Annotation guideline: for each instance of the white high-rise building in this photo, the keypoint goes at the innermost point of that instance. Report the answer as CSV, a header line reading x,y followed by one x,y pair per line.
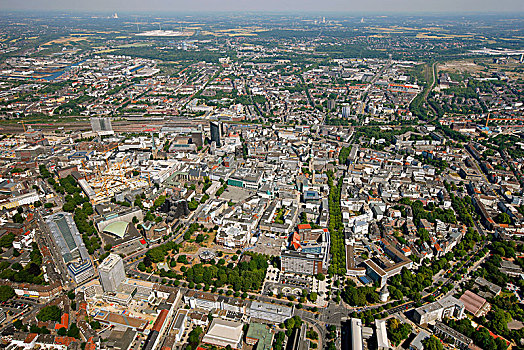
x,y
111,272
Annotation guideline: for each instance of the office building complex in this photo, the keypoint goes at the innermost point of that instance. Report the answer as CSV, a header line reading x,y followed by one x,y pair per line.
x,y
69,242
446,307
111,272
270,312
308,251
102,126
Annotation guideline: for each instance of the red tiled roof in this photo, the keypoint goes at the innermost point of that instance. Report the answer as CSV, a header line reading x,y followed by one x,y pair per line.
x,y
64,340
90,344
64,323
472,301
160,321
30,337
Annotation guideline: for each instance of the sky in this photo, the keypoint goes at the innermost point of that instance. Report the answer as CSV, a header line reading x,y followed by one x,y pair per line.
x,y
350,6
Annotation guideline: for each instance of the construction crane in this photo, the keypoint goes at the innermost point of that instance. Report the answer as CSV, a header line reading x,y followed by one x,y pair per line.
x,y
110,149
84,169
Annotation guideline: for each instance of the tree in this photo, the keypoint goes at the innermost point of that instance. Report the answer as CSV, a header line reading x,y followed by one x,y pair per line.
x,y
502,218
20,325
68,207
194,335
499,320
182,259
432,343
311,334
95,324
39,330
6,293
73,331
192,205
6,241
343,155
49,313
397,331
62,332
18,218
156,254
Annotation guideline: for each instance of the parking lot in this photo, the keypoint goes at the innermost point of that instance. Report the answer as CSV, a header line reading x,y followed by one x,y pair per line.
x,y
15,306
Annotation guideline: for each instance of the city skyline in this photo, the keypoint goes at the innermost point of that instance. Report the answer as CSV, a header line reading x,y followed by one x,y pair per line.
x,y
293,6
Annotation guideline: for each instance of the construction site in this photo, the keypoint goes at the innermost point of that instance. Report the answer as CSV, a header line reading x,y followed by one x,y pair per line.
x,y
117,177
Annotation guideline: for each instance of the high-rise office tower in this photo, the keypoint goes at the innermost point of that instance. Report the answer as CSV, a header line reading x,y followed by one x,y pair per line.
x,y
216,132
111,272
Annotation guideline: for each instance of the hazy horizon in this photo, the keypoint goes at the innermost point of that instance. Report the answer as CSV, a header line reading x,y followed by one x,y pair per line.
x,y
271,6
